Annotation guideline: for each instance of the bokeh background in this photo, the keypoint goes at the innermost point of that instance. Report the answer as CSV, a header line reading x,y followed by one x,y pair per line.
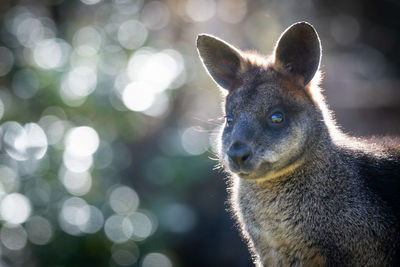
x,y
106,115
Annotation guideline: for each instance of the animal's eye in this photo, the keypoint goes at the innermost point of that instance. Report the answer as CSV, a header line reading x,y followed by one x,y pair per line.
x,y
277,117
229,120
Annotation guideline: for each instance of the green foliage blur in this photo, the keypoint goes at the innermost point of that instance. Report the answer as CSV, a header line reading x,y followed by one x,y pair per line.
x,y
96,156
108,121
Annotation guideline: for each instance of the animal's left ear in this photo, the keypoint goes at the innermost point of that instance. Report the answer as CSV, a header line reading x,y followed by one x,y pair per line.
x,y
298,51
223,62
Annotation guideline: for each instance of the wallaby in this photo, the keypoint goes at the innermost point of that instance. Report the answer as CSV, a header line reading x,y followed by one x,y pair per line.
x,y
303,193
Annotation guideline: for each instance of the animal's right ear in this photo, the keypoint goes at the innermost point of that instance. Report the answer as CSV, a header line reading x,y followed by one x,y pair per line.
x,y
298,51
223,62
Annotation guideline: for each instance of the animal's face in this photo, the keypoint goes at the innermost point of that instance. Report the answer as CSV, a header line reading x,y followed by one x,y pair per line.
x,y
265,129
269,116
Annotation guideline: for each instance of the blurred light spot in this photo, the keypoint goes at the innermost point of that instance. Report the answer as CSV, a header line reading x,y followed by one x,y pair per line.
x,y
87,41
138,96
81,141
51,53
69,98
6,60
8,179
15,208
80,82
125,255
75,211
144,64
156,260
141,225
27,27
132,34
128,7
194,141
55,111
95,221
159,106
155,15
200,10
120,82
344,29
36,146
144,94
25,84
89,61
77,163
14,140
90,2
29,31
137,61
118,228
74,215
231,11
40,231
13,237
180,76
179,218
26,142
53,127
77,184
124,200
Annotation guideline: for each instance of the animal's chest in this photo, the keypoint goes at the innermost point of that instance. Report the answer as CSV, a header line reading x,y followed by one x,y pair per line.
x,y
307,229
278,232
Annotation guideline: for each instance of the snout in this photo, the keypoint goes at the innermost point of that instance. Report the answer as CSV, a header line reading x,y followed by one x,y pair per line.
x,y
239,155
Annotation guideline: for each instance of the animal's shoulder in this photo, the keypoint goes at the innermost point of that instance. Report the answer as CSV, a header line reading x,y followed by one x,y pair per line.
x,y
380,171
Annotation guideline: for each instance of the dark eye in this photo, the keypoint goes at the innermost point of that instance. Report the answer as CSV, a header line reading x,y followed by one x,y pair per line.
x,y
277,117
229,120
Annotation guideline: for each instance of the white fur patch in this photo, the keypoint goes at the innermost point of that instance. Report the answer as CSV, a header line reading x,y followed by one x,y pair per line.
x,y
271,156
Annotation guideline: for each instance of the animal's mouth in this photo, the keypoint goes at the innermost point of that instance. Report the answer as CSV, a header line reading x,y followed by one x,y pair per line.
x,y
240,170
250,170
250,175
263,171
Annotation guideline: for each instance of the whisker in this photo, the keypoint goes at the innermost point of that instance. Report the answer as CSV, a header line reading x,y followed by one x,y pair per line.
x,y
213,158
216,122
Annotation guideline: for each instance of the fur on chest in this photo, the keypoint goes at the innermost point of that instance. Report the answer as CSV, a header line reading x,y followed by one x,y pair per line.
x,y
300,231
275,231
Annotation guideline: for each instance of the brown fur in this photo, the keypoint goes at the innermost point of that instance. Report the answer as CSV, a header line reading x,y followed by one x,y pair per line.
x,y
303,193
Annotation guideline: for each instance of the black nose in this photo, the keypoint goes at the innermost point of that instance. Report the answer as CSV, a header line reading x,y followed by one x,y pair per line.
x,y
239,154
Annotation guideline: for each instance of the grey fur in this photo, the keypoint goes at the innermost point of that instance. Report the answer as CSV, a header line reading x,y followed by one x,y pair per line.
x,y
304,198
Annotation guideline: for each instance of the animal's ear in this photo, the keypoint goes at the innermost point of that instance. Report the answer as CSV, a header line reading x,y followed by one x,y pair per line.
x,y
298,51
223,61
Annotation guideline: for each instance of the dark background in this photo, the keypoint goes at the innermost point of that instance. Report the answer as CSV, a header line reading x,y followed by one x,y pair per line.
x,y
146,193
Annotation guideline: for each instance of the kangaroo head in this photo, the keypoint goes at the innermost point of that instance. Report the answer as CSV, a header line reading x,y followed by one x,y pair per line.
x,y
271,115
